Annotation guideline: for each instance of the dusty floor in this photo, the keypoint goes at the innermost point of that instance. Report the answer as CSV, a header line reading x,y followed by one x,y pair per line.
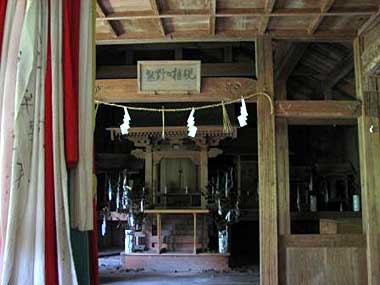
x,y
111,273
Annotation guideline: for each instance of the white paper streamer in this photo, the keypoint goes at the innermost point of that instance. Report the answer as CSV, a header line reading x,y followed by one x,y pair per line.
x,y
125,126
243,114
191,128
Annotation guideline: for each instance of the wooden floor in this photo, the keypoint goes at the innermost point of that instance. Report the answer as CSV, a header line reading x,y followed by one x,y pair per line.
x,y
111,272
183,278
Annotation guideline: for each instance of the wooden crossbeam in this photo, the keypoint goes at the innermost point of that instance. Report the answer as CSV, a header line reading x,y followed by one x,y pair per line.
x,y
325,109
207,70
237,12
116,25
213,90
212,19
268,9
326,6
290,60
156,12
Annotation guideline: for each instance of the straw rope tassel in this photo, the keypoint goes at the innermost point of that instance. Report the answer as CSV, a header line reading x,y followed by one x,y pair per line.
x,y
227,127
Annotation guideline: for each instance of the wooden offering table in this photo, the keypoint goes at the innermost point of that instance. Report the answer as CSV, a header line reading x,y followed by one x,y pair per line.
x,y
194,212
176,258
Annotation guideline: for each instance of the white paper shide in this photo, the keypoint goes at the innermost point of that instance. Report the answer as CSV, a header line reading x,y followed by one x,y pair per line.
x,y
243,114
191,128
125,126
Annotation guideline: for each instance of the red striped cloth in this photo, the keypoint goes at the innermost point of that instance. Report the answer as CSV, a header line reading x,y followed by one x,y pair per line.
x,y
3,8
71,25
51,268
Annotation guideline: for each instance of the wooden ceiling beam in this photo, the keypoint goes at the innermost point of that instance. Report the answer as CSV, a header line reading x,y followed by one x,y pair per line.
x,y
313,109
212,19
231,13
213,90
290,60
115,25
207,70
156,11
326,6
268,9
200,36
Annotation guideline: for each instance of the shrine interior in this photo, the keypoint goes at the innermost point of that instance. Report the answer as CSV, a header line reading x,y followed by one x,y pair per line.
x,y
324,172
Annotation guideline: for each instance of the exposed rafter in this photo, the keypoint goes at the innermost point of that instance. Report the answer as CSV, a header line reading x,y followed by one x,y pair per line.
x,y
371,22
340,71
230,20
326,6
115,25
212,19
289,61
156,12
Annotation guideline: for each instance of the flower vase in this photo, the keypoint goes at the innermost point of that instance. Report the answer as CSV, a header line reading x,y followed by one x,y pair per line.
x,y
223,241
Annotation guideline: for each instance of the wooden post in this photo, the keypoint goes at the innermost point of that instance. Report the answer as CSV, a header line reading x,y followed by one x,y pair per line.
x,y
203,174
195,233
267,164
282,159
149,173
158,233
238,174
369,152
283,195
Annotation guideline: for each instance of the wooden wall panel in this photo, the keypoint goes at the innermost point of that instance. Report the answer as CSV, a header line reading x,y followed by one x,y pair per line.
x,y
324,259
326,266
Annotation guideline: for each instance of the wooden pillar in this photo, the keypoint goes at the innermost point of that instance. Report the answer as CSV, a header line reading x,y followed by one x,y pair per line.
x,y
238,174
282,159
149,172
267,164
158,233
203,174
369,152
283,186
156,181
195,233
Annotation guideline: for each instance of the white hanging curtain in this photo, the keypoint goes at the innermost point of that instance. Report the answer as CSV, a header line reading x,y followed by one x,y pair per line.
x,y
23,249
12,31
24,240
66,268
81,178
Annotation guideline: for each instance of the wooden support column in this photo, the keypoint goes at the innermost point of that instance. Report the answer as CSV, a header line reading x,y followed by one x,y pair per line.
x,y
203,174
267,164
149,172
369,152
158,233
282,159
195,233
283,186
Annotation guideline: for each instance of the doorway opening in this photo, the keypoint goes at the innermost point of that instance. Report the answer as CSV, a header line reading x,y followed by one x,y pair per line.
x,y
178,207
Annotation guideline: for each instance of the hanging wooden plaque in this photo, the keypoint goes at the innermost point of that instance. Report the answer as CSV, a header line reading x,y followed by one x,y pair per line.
x,y
169,76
